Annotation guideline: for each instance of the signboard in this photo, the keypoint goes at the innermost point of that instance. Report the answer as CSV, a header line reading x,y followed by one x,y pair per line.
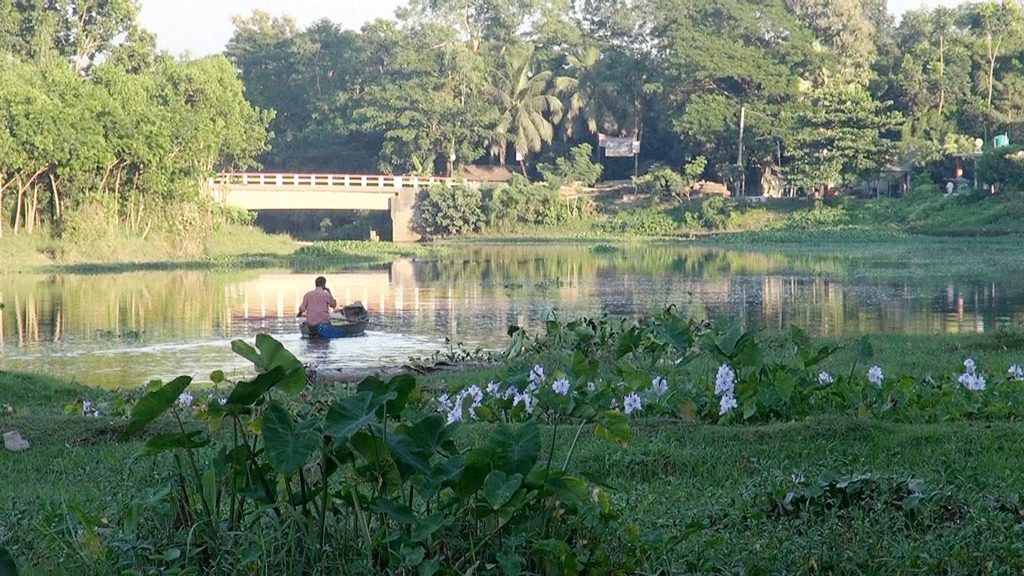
x,y
1002,140
615,147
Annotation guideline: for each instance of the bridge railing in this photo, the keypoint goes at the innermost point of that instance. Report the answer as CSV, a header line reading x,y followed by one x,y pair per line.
x,y
368,181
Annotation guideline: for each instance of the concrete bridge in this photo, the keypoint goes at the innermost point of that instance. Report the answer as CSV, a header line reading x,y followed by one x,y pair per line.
x,y
266,191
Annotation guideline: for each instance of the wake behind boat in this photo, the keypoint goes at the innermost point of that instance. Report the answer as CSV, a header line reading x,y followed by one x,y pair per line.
x,y
350,320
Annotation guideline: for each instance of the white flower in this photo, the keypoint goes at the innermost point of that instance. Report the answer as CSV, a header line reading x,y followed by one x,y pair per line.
x,y
659,385
727,404
510,392
973,382
476,394
223,401
560,386
536,375
1016,373
454,416
969,366
444,403
526,400
185,399
825,378
725,381
89,409
492,388
875,375
631,402
591,386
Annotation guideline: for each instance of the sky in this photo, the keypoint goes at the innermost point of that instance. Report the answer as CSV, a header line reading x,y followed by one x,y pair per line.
x,y
203,27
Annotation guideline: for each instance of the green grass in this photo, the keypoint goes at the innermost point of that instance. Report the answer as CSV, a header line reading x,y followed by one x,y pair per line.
x,y
718,489
714,492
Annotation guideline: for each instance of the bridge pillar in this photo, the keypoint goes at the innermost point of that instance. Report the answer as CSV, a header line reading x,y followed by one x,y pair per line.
x,y
401,208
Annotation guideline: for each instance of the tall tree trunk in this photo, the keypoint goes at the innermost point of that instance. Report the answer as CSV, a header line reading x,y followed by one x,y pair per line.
x,y
32,210
56,198
17,207
992,52
2,223
942,72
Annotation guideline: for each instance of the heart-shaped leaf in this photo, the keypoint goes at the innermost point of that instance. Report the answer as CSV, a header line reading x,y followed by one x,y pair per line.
x,y
272,354
499,488
289,445
153,404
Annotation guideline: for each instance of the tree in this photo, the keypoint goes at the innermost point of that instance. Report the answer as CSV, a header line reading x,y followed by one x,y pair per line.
x,y
527,103
843,134
431,104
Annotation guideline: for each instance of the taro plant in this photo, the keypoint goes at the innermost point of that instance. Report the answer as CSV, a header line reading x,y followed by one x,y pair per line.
x,y
369,483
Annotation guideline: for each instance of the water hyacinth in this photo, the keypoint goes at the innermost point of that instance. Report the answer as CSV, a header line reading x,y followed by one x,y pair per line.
x,y
725,386
875,375
185,399
1016,373
591,387
725,381
726,405
89,409
536,375
973,382
561,386
526,399
970,379
492,388
825,378
631,403
659,386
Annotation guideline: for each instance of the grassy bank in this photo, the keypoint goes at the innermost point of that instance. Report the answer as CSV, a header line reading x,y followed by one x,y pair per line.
x,y
230,247
834,495
826,493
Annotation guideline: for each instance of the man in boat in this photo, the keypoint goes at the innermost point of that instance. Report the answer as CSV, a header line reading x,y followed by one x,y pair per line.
x,y
317,305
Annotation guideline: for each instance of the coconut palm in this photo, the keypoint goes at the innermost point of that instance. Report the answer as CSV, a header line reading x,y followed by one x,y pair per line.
x,y
592,101
528,104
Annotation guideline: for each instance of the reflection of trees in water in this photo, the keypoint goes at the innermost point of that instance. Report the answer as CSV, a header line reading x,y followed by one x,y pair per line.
x,y
180,303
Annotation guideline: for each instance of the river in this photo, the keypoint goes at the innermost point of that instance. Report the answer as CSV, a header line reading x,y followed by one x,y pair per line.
x,y
122,330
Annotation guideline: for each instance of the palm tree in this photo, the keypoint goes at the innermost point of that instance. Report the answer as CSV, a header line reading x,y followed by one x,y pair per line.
x,y
528,105
592,101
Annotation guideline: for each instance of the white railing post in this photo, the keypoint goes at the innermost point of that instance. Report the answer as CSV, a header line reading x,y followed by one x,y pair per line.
x,y
330,179
280,179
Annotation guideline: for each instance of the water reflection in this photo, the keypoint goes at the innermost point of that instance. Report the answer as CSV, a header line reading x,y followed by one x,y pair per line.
x,y
123,329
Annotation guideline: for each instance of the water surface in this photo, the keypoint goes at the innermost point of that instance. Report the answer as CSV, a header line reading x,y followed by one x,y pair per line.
x,y
121,330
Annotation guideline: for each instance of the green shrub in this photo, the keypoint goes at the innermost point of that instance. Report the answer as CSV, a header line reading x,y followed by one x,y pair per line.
x,y
1003,166
817,218
577,168
520,202
445,210
643,222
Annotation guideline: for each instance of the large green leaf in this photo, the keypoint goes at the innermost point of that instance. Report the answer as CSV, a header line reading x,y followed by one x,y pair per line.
x,y
247,392
152,405
272,354
499,488
377,458
402,386
518,449
165,442
613,425
410,457
7,565
289,445
346,416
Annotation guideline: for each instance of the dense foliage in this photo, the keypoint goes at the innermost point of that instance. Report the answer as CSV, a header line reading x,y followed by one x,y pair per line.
x,y
99,132
828,92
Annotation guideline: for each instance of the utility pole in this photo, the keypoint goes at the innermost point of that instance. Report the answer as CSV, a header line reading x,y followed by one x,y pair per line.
x,y
739,156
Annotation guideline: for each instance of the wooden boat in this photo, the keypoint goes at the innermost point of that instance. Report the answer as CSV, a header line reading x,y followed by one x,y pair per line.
x,y
350,320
